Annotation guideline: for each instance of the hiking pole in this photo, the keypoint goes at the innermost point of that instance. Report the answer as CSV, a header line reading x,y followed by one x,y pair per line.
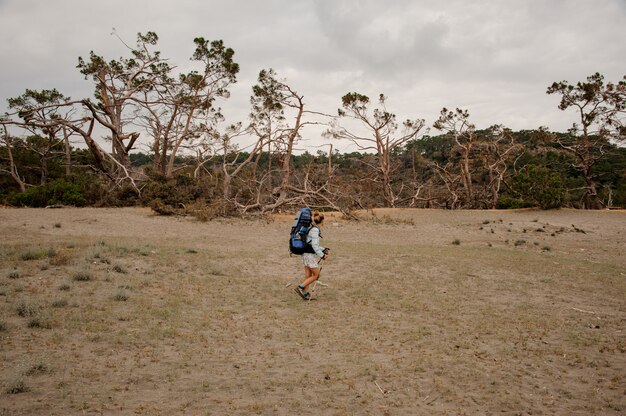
x,y
319,263
313,289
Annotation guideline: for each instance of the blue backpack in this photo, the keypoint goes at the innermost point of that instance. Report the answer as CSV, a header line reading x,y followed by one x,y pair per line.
x,y
299,230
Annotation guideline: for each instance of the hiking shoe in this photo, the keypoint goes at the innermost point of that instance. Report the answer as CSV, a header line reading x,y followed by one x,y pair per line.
x,y
304,295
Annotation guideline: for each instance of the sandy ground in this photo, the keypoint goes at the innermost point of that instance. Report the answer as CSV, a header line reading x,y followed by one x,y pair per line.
x,y
118,311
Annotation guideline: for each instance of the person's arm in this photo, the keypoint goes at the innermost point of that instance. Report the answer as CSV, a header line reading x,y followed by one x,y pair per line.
x,y
315,241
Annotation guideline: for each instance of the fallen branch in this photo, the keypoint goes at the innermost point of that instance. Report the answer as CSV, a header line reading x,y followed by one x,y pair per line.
x,y
379,388
583,311
431,401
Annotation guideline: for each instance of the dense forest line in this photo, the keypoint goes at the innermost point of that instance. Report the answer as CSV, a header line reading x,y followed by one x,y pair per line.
x,y
426,173
193,163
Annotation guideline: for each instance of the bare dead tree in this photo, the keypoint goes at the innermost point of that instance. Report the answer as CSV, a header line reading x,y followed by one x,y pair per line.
x,y
11,169
273,101
382,137
457,124
451,181
117,84
496,151
233,159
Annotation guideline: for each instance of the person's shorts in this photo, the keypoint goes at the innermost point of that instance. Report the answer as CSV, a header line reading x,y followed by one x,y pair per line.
x,y
310,260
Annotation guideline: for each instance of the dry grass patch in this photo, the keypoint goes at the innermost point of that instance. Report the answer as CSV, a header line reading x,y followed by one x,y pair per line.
x,y
405,323
27,309
14,274
82,276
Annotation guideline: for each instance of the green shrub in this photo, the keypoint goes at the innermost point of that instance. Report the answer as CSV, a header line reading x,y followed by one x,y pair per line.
x,y
175,192
541,187
56,192
508,202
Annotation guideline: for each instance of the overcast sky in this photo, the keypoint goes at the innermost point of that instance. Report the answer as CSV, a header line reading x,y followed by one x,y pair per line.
x,y
494,58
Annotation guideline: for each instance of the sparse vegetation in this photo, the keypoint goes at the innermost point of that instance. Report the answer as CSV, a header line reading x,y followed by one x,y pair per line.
x,y
14,274
39,322
37,368
62,258
413,291
26,309
32,255
17,387
119,269
59,303
81,276
120,296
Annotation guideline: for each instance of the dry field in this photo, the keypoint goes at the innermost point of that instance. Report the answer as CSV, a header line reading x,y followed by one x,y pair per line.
x,y
421,312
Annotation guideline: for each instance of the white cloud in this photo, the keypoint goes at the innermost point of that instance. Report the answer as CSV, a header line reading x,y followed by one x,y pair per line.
x,y
495,58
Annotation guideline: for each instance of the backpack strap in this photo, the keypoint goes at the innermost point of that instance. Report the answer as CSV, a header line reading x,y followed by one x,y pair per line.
x,y
318,229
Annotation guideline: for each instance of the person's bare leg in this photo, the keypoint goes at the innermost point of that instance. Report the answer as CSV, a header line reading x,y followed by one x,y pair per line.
x,y
307,275
314,275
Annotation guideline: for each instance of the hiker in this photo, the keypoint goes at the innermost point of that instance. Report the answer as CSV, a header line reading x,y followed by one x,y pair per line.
x,y
311,260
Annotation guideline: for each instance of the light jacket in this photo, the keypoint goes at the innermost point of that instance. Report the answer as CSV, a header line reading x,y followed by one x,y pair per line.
x,y
313,238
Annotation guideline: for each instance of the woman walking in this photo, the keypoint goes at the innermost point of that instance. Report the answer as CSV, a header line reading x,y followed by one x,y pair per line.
x,y
312,257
